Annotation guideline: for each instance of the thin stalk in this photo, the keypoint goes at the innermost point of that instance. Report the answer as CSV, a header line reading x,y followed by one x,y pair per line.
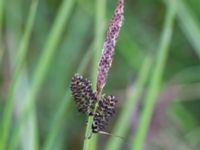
x,y
90,144
14,141
58,120
1,14
155,81
45,59
189,24
1,29
23,48
123,123
100,24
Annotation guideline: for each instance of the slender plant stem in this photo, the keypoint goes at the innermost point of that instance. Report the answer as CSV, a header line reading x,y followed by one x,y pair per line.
x,y
45,60
55,129
130,105
1,13
100,24
189,24
90,144
16,135
23,48
150,100
1,29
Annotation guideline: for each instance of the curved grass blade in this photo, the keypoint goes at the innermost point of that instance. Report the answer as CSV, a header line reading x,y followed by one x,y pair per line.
x,y
99,37
1,29
58,120
189,24
128,109
45,60
23,48
155,81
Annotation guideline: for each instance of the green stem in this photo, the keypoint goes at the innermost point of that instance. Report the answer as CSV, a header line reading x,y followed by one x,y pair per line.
x,y
1,29
63,105
99,36
90,144
23,48
1,14
189,25
154,86
129,107
45,59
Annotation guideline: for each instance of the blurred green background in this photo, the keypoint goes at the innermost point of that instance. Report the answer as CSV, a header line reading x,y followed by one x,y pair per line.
x,y
43,43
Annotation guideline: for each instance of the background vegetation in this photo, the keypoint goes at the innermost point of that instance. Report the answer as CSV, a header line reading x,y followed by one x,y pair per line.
x,y
155,73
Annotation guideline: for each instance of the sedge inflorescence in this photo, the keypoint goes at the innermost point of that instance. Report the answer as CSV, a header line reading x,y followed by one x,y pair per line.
x,y
86,100
105,62
95,104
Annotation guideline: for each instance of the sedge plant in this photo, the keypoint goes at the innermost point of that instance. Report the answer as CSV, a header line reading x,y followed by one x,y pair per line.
x,y
99,107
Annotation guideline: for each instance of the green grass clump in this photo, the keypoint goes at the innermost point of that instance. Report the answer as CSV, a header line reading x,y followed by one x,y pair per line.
x,y
155,81
43,43
22,51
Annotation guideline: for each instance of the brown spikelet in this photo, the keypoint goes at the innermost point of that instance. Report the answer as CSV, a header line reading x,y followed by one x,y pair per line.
x,y
83,95
86,100
105,111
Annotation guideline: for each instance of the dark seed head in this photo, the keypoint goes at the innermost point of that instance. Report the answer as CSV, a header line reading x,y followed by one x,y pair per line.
x,y
83,95
105,111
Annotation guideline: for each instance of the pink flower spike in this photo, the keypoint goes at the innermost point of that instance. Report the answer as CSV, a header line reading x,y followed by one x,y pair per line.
x,y
109,46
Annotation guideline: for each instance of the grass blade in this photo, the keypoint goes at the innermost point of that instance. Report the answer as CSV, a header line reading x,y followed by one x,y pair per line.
x,y
58,120
99,38
23,48
1,14
128,109
45,60
1,29
150,100
189,24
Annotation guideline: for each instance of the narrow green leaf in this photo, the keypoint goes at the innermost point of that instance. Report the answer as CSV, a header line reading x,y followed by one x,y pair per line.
x,y
189,24
23,48
1,24
57,123
123,123
45,61
144,121
90,144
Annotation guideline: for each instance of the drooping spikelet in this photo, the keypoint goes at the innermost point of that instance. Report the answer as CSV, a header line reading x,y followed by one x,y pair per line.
x,y
105,111
109,46
83,95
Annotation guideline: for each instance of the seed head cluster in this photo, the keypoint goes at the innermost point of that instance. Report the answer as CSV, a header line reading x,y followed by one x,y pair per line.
x,y
109,46
105,111
101,107
86,100
84,97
